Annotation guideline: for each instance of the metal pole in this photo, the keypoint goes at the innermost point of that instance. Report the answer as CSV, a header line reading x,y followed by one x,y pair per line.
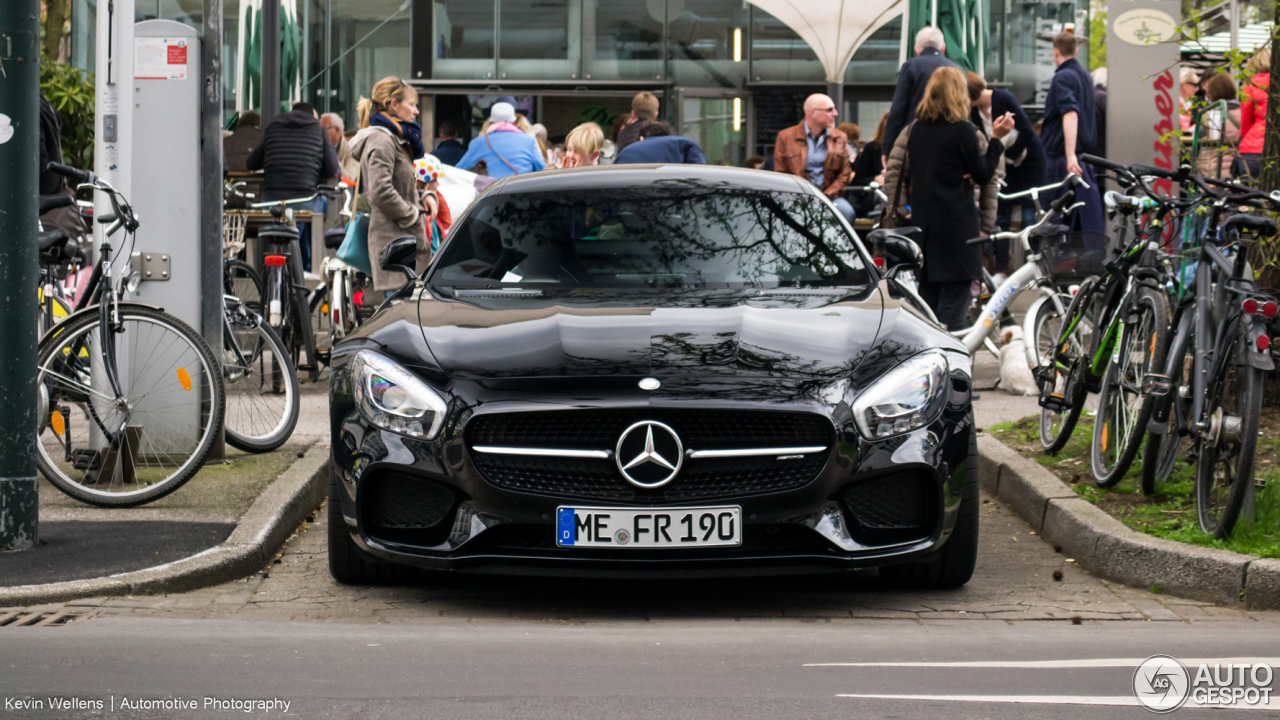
x,y
270,61
836,91
211,165
19,271
1233,8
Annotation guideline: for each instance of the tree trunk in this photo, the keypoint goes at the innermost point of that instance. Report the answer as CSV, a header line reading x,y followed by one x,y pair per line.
x,y
1270,175
55,18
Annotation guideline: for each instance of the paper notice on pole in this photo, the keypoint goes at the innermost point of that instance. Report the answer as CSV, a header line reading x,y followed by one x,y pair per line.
x,y
160,58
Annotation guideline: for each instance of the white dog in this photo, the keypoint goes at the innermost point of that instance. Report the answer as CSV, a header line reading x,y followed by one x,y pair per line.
x,y
1015,374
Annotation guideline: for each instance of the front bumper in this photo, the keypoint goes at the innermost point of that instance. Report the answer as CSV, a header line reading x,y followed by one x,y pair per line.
x,y
807,529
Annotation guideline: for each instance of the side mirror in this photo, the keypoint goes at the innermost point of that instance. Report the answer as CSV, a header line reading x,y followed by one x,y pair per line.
x,y
900,251
400,254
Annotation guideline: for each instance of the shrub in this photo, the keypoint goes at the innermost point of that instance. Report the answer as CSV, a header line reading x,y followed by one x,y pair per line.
x,y
71,92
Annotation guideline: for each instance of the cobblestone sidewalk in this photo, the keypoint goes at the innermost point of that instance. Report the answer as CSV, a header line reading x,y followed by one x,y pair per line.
x,y
1014,581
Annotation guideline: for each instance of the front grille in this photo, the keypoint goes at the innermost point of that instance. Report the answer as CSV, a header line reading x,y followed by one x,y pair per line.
x,y
892,508
700,479
405,509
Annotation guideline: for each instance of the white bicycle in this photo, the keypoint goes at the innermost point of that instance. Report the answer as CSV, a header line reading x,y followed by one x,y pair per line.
x,y
1042,324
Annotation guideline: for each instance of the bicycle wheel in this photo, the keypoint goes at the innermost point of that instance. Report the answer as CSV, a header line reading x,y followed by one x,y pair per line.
x,y
1224,466
1123,412
262,401
123,450
1063,358
241,281
1161,452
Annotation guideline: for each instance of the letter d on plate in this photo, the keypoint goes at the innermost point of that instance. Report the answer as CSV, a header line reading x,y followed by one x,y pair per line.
x,y
564,526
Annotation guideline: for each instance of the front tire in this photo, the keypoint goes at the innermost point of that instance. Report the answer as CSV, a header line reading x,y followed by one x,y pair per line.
x,y
954,565
1067,362
1123,412
348,564
1224,469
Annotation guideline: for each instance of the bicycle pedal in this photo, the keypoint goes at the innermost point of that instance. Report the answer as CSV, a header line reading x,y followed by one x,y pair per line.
x,y
1155,385
86,459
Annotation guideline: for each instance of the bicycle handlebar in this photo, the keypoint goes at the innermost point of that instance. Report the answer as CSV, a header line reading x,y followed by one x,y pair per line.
x,y
1103,163
1180,176
289,201
79,176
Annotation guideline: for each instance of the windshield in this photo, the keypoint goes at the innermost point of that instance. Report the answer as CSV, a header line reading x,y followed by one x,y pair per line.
x,y
652,236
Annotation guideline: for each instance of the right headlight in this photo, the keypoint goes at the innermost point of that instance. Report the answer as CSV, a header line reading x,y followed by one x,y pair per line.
x,y
908,397
394,399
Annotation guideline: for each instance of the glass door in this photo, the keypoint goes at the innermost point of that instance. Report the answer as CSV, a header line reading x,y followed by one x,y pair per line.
x,y
718,124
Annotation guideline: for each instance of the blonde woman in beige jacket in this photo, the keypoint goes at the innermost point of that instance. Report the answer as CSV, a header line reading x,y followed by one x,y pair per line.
x,y
387,178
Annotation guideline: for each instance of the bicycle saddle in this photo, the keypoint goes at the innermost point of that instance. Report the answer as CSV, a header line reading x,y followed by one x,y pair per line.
x,y
333,238
1252,223
1115,200
278,233
53,202
56,247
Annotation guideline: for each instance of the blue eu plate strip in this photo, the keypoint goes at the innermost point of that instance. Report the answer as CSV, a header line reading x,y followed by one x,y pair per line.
x,y
564,526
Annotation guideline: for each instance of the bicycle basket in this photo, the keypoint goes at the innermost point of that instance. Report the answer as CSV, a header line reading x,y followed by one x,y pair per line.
x,y
233,224
1071,257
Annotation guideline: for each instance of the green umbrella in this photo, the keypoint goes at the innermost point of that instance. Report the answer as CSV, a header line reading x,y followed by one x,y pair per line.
x,y
961,23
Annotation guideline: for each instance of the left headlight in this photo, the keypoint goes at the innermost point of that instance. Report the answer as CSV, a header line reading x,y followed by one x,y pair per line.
x,y
393,399
909,397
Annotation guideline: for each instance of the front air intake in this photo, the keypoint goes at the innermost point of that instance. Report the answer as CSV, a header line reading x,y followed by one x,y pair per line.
x,y
892,508
406,509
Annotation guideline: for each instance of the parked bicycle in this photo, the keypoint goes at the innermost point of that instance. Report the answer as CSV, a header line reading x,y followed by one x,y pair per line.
x,y
286,302
130,397
1209,389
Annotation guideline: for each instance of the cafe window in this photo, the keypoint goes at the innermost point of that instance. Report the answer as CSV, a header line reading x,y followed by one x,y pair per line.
x,y
623,39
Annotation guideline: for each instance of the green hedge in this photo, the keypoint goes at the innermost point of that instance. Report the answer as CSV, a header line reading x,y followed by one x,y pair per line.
x,y
71,90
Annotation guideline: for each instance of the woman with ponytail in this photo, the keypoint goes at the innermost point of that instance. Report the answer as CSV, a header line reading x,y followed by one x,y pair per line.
x,y
388,142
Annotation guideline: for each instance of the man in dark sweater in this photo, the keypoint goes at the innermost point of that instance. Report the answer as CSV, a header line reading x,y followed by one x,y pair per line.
x,y
658,143
912,79
644,110
295,156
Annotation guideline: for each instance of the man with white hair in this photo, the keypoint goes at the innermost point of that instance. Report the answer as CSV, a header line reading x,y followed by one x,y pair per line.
x,y
334,129
912,78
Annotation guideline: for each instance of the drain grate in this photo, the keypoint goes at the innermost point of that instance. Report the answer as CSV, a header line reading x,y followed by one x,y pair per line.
x,y
23,618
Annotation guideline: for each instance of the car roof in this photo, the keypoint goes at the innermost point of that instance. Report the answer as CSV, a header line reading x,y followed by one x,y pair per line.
x,y
621,176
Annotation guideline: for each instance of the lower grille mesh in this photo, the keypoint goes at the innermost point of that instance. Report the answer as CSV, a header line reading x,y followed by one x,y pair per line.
x,y
402,502
892,508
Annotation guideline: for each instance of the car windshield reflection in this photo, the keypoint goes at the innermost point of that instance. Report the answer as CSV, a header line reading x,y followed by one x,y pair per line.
x,y
651,237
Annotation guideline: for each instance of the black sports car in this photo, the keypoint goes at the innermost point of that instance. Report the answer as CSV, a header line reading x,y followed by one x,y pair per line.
x,y
653,370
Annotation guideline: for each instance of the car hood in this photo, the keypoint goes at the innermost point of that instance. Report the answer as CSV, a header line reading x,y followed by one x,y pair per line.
x,y
581,334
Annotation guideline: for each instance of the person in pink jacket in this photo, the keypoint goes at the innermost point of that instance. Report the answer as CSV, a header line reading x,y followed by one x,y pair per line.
x,y
1253,114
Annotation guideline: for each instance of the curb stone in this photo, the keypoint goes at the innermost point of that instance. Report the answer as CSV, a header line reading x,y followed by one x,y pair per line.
x,y
260,533
1106,547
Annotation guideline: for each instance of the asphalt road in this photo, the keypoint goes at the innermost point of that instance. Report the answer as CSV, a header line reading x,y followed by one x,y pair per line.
x,y
677,669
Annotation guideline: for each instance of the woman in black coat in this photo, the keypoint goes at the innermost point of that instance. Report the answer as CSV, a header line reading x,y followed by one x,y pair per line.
x,y
1024,156
944,165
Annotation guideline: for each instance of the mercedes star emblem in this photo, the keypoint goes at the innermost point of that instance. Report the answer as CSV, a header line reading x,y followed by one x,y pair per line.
x,y
649,454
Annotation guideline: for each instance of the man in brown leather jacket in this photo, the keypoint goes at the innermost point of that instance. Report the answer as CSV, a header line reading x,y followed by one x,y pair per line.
x,y
818,152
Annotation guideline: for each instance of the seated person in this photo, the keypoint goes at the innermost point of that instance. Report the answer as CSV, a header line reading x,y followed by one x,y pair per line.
x,y
658,143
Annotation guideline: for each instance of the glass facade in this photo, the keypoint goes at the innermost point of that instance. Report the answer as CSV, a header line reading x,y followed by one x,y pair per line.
x,y
701,56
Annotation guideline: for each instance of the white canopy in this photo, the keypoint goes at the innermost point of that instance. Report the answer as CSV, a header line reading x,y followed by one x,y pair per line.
x,y
835,29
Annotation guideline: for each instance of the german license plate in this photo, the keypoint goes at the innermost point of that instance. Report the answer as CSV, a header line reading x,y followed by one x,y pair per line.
x,y
664,527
